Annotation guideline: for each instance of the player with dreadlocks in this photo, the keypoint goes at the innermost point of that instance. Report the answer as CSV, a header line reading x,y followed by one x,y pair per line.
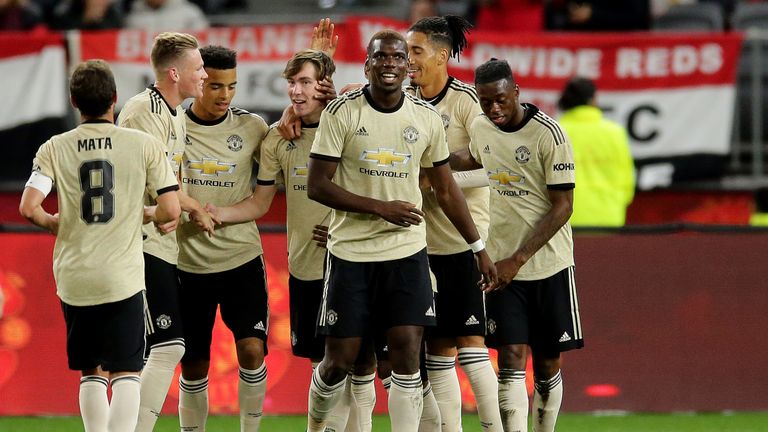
x,y
461,324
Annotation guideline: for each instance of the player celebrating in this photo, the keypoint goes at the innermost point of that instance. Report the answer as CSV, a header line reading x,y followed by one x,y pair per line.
x,y
460,305
363,164
101,172
179,75
529,163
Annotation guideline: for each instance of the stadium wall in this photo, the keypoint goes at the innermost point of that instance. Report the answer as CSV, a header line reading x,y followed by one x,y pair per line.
x,y
673,322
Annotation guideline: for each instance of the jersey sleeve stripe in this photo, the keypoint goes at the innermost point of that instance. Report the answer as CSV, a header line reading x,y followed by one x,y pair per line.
x,y
466,89
442,162
324,157
265,182
170,188
561,186
557,133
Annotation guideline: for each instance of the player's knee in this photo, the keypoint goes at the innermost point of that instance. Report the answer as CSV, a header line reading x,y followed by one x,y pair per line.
x,y
169,355
250,353
513,357
195,369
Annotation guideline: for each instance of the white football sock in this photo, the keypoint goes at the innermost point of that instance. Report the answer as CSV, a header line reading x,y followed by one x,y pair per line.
x,y
364,397
513,400
155,380
94,405
547,397
387,383
193,404
405,402
251,389
124,406
322,399
340,418
477,366
445,386
430,414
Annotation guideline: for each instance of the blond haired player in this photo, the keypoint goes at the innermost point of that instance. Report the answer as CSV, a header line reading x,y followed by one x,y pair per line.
x,y
101,172
179,75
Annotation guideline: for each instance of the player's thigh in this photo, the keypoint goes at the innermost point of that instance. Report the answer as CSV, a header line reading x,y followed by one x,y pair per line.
x,y
164,322
459,302
556,320
403,292
124,333
243,300
507,315
198,302
304,302
345,308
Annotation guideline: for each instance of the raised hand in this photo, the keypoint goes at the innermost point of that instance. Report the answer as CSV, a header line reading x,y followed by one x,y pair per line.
x,y
323,38
326,89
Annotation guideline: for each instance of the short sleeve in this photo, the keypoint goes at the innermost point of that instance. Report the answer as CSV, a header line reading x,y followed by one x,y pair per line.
x,y
269,166
329,139
437,148
43,162
160,177
557,156
474,139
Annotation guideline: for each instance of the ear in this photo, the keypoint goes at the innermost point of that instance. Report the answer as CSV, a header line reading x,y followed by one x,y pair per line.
x,y
366,66
72,101
173,74
443,56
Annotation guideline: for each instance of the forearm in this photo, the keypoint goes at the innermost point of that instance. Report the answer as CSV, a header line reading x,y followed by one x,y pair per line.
x,y
245,211
331,195
470,179
189,204
40,217
454,206
462,160
542,233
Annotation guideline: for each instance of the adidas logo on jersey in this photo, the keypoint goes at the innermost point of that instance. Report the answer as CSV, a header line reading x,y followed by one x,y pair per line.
x,y
430,312
565,337
487,149
291,146
361,131
472,320
259,326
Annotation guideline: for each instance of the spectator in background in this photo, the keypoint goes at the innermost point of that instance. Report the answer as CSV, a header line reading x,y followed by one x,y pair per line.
x,y
509,15
599,15
166,15
422,9
87,15
19,15
759,215
605,171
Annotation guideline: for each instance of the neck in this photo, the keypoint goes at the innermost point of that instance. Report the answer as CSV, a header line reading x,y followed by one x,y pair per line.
x,y
108,116
434,86
170,93
385,99
312,118
200,113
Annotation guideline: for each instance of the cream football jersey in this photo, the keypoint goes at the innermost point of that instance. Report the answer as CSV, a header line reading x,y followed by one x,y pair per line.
x,y
380,152
217,168
522,165
149,112
101,173
285,161
458,106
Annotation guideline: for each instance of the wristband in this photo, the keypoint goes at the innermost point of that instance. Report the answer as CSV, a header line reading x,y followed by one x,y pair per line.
x,y
477,246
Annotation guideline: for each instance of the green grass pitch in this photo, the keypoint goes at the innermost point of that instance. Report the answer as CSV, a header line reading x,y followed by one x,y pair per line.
x,y
710,422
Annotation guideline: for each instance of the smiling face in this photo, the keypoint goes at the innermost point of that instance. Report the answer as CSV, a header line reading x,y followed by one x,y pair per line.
x,y
426,60
302,91
499,101
218,91
387,65
191,74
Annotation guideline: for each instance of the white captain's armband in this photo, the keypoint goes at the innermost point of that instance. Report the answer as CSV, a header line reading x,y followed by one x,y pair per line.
x,y
471,179
477,246
41,182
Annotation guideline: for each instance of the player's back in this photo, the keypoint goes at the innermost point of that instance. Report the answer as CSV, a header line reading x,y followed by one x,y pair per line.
x,y
100,171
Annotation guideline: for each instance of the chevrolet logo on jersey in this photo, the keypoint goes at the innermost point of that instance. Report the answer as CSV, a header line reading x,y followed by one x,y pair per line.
x,y
300,171
211,167
505,178
385,157
176,160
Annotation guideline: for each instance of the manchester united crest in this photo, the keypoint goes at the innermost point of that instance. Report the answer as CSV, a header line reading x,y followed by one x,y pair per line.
x,y
235,143
410,134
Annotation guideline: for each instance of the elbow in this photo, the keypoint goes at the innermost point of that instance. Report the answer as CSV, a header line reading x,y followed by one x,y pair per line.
x,y
26,211
314,192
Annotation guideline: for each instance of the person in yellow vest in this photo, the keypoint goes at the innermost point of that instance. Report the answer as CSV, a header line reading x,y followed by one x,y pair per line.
x,y
605,171
759,216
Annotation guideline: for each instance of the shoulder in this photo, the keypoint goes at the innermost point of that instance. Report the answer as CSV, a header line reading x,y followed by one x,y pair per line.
x,y
347,100
547,126
464,90
249,118
423,107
